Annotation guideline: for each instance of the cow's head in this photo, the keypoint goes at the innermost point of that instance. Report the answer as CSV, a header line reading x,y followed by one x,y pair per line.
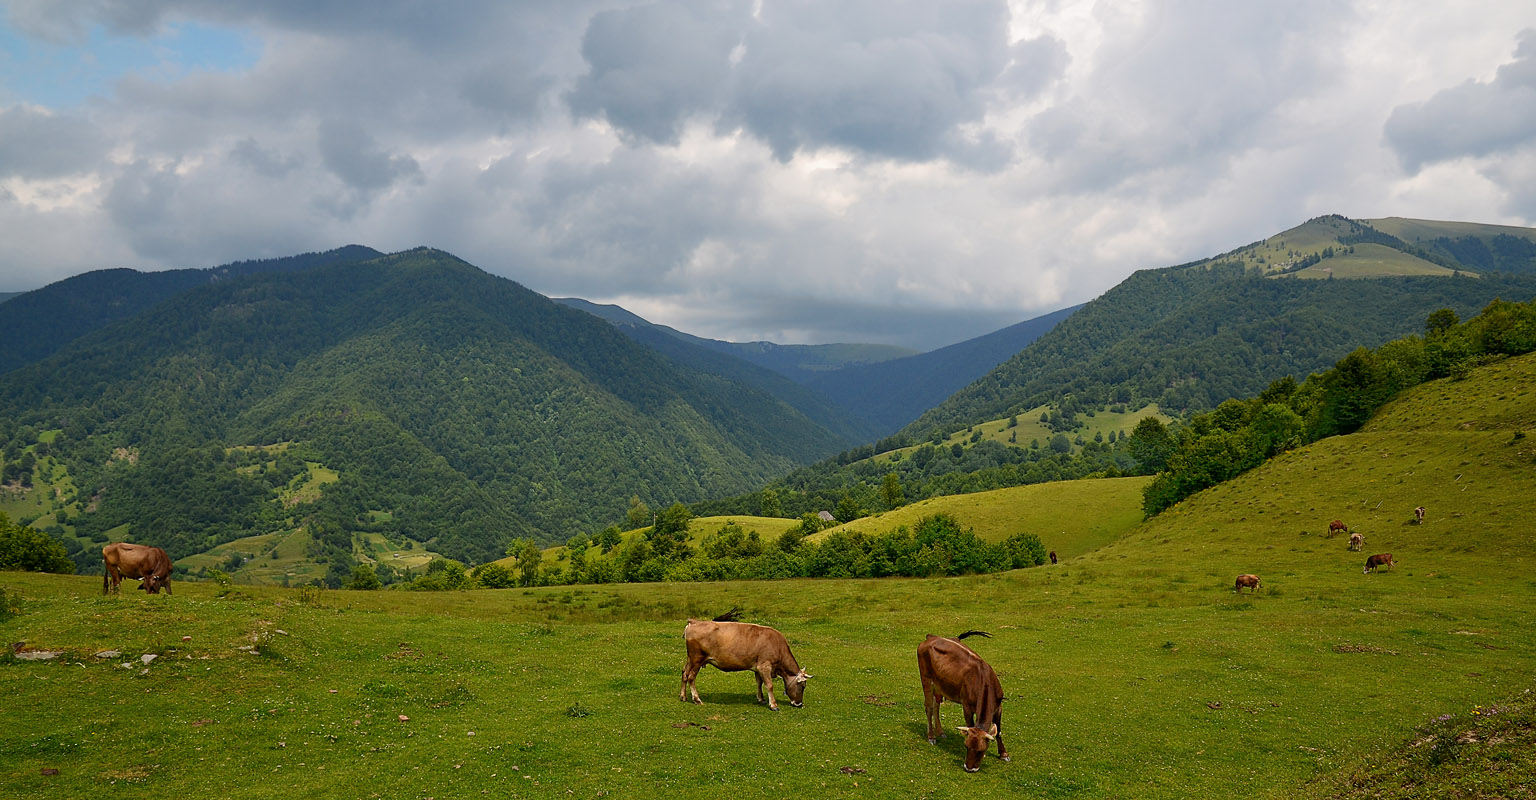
x,y
794,686
976,741
151,584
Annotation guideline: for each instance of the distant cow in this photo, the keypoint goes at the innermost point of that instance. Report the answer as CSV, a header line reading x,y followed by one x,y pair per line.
x,y
1356,541
1418,515
733,646
1247,581
1380,560
1337,526
1053,556
122,560
951,671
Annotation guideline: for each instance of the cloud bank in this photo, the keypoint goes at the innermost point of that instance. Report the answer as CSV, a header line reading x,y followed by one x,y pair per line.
x,y
906,171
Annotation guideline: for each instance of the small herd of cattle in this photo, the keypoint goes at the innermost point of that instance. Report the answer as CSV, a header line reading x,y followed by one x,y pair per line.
x,y
948,668
1356,542
949,671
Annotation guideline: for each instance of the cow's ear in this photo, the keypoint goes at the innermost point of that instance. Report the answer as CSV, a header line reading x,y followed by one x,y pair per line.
x,y
992,731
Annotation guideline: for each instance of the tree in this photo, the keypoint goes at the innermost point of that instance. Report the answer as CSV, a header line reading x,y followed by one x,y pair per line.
x,y
771,505
890,491
494,576
364,578
24,548
1152,444
669,536
1439,322
609,538
529,559
639,514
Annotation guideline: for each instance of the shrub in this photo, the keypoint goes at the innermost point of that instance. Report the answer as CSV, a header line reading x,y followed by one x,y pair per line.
x,y
24,548
494,576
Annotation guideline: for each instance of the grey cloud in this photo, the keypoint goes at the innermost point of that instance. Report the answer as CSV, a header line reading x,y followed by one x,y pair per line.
x,y
1035,64
892,79
652,66
1154,105
263,161
1472,119
37,144
351,154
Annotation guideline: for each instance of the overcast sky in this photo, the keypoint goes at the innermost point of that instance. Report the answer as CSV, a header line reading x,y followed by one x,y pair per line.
x,y
915,172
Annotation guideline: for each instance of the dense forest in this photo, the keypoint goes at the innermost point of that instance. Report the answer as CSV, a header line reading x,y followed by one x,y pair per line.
x,y
1189,339
458,409
1241,434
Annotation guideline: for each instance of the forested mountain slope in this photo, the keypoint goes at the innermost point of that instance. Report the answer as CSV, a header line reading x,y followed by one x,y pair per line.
x,y
687,349
873,390
895,392
457,408
1191,336
40,322
798,362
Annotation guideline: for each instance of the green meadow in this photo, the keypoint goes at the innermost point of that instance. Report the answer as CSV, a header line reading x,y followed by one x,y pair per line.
x,y
1131,668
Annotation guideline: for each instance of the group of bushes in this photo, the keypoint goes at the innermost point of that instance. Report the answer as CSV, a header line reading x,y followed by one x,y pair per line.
x,y
1241,434
937,546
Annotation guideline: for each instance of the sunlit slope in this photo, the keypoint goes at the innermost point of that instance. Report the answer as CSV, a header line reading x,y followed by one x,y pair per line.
x,y
1130,671
1462,449
1070,517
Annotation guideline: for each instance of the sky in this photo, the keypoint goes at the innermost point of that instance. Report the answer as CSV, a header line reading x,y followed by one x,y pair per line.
x,y
910,172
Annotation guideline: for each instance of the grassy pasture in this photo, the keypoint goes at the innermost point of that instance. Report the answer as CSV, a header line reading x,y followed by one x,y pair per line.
x,y
1132,670
1031,429
1070,517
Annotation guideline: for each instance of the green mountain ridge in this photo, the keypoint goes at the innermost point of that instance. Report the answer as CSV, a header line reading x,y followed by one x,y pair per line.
x,y
1190,336
464,407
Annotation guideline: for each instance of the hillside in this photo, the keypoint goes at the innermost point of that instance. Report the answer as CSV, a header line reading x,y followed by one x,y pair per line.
x,y
458,409
893,393
40,322
799,362
1132,670
874,390
1191,336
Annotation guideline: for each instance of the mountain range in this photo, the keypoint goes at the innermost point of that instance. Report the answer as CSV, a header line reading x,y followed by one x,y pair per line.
x,y
415,398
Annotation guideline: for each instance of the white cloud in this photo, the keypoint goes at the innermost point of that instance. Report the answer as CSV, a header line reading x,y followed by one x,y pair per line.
x,y
915,172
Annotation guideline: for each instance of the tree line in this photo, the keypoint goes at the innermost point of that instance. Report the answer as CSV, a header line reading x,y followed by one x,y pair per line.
x,y
1241,434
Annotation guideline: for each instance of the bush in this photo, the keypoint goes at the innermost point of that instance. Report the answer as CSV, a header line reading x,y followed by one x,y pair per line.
x,y
23,548
494,576
363,578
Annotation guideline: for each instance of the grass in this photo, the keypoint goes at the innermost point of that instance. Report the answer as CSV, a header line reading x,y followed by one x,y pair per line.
x,y
1070,517
1030,429
1131,670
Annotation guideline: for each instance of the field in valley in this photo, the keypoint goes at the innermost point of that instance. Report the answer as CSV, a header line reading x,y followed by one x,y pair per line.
x,y
1131,669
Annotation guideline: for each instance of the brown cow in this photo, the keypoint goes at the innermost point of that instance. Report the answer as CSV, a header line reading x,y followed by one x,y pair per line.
x,y
123,560
733,646
1336,527
1418,515
1248,581
1053,556
1380,560
951,671
1356,541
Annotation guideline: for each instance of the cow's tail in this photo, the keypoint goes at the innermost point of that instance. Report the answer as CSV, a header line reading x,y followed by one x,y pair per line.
x,y
734,615
983,634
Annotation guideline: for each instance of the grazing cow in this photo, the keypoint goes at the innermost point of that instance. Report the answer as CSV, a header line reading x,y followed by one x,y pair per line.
x,y
1053,556
1418,515
1356,541
1247,581
951,671
734,646
1380,560
123,560
1335,527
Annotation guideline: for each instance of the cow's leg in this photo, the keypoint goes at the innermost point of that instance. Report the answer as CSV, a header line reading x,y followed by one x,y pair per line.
x,y
1002,749
691,667
764,675
931,701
